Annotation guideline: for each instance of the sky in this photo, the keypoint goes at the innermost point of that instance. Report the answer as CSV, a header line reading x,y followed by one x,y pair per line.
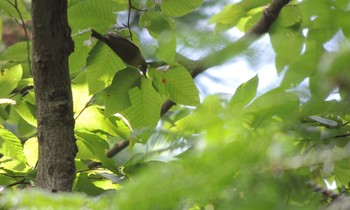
x,y
226,78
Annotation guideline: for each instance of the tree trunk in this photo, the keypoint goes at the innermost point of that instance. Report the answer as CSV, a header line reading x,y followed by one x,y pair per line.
x,y
52,45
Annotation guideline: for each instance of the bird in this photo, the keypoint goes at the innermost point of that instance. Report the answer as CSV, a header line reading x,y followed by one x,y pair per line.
x,y
124,48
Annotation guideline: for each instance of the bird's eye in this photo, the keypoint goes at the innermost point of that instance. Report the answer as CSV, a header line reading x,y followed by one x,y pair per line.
x,y
139,67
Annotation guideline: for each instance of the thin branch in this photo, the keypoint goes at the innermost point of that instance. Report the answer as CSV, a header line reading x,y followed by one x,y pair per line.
x,y
117,148
25,31
86,105
22,181
120,146
129,12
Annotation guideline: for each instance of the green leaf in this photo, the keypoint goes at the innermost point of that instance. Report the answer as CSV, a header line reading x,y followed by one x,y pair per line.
x,y
30,149
177,8
81,97
342,172
276,102
8,7
92,119
98,146
308,62
206,115
287,44
28,112
96,14
230,15
155,22
14,55
117,97
84,184
145,106
177,84
102,64
289,16
82,46
11,146
166,50
9,79
244,93
84,153
161,29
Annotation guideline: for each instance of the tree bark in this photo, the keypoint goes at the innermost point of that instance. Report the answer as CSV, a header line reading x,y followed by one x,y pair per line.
x,y
52,45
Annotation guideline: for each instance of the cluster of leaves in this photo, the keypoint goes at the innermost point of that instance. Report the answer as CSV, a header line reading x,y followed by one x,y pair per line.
x,y
256,152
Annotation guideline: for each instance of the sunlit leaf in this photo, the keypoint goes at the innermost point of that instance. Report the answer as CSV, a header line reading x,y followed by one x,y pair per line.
x,y
96,14
117,97
9,79
178,8
98,146
93,120
27,112
177,84
102,64
244,93
11,146
145,106
30,149
14,9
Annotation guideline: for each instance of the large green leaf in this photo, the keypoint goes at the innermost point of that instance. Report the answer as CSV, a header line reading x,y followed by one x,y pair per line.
x,y
8,7
16,54
177,84
98,146
82,46
96,14
81,97
244,93
117,95
27,112
92,119
206,115
231,14
11,146
276,102
161,29
145,106
9,79
102,64
289,16
84,184
178,8
30,149
287,44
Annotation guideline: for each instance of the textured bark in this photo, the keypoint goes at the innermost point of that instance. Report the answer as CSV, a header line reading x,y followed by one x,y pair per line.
x,y
52,45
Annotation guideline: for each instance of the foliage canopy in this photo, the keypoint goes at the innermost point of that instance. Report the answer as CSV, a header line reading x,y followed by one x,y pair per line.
x,y
248,151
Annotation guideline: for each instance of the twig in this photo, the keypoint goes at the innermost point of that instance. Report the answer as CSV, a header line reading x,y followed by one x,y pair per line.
x,y
86,105
129,11
22,181
113,151
25,31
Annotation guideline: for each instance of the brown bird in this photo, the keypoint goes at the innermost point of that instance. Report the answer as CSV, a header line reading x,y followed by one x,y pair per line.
x,y
124,48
